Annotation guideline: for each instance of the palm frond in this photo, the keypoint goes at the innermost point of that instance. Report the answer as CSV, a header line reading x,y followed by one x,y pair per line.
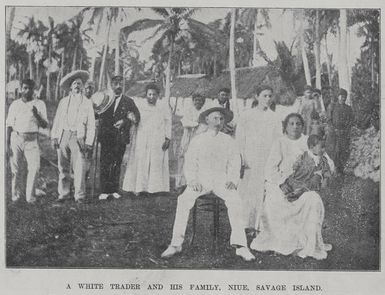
x,y
161,11
141,25
157,31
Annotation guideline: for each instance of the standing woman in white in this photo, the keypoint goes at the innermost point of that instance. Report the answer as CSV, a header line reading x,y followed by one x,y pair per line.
x,y
290,227
257,129
148,167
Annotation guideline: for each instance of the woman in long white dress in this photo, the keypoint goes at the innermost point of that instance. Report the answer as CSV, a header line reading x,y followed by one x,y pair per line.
x,y
290,227
148,165
257,128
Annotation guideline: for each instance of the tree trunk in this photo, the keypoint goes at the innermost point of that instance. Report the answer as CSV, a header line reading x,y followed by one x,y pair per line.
x,y
317,53
74,59
102,67
10,25
328,62
343,66
215,66
47,92
30,65
303,51
255,39
232,62
168,72
80,62
117,57
92,69
37,81
59,76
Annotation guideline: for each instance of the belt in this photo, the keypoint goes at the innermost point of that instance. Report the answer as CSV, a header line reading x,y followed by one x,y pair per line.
x,y
27,136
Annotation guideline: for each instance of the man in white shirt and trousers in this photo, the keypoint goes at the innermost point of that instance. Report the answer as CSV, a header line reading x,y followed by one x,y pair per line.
x,y
73,134
26,115
212,164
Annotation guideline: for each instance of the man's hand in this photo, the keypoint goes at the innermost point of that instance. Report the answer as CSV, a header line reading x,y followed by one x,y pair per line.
x,y
131,117
196,186
34,112
119,124
82,145
55,144
166,144
89,151
230,185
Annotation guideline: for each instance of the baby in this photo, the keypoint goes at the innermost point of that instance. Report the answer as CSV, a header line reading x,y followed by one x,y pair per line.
x,y
311,170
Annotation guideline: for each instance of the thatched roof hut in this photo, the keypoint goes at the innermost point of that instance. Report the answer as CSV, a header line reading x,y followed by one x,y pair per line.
x,y
247,79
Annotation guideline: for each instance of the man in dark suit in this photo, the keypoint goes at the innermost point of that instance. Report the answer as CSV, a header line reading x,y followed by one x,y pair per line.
x,y
115,127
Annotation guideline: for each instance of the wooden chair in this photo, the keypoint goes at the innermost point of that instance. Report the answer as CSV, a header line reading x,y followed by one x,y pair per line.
x,y
210,203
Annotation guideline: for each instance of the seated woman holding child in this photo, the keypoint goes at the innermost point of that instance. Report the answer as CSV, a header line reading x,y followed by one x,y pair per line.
x,y
293,212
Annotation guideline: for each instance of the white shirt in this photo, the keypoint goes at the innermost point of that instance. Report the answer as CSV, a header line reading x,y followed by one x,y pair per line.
x,y
212,160
77,115
21,118
117,101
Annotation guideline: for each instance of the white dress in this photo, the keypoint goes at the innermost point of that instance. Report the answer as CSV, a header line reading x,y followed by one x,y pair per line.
x,y
289,227
148,165
256,131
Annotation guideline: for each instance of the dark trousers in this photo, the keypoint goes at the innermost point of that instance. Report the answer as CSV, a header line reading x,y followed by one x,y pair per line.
x,y
111,156
338,147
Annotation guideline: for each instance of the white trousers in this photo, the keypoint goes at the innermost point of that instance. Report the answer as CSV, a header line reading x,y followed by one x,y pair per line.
x,y
69,152
232,201
28,149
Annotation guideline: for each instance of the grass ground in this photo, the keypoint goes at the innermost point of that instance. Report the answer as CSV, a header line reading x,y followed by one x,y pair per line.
x,y
132,232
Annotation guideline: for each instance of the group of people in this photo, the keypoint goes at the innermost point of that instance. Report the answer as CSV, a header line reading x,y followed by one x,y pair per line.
x,y
268,168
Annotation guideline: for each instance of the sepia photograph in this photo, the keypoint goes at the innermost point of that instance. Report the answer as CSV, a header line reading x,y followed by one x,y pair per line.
x,y
192,138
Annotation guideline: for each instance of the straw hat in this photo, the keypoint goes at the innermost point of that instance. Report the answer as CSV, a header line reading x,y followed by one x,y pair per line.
x,y
102,100
67,80
228,115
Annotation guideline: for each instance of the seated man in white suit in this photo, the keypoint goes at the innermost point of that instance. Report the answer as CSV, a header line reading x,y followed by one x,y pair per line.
x,y
212,164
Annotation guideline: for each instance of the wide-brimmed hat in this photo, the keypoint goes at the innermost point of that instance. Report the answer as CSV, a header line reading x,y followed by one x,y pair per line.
x,y
67,80
227,114
102,100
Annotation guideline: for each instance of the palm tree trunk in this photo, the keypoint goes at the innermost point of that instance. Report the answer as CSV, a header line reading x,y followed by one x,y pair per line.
x,y
74,59
317,52
59,76
168,72
303,52
255,39
92,69
102,67
343,66
215,66
328,62
80,62
232,61
10,25
37,74
48,90
117,57
30,65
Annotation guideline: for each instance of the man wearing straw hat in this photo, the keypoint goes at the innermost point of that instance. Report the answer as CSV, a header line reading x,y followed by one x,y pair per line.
x,y
72,135
212,165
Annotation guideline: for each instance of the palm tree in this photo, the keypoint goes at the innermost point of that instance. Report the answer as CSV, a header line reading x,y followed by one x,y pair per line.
x,y
33,34
249,16
232,59
343,73
108,15
169,28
